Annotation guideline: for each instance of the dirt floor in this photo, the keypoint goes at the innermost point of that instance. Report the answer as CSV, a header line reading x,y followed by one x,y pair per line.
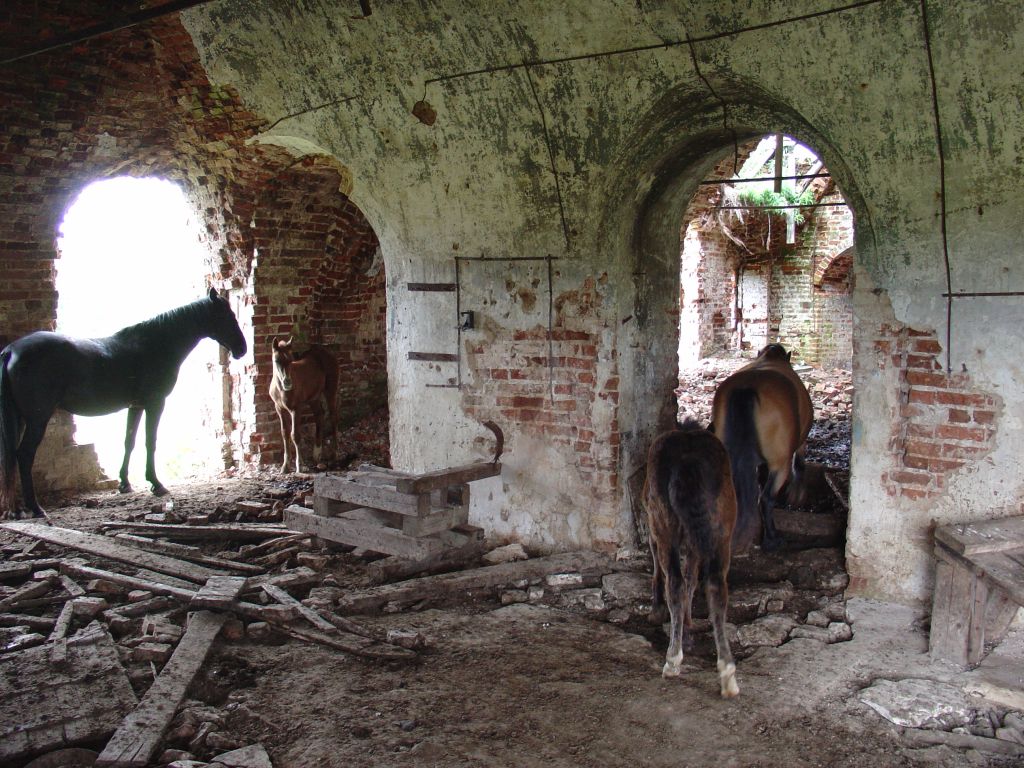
x,y
531,684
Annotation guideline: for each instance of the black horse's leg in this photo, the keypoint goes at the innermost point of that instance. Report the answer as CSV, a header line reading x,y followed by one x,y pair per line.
x,y
659,611
26,453
153,413
132,429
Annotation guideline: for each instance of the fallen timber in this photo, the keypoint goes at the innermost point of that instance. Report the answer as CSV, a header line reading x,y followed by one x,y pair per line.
x,y
591,565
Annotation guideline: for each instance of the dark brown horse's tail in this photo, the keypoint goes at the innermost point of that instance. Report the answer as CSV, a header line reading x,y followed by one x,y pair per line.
x,y
693,490
10,424
745,458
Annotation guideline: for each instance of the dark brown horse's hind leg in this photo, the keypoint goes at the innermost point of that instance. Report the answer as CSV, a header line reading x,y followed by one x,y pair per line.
x,y
770,540
26,453
717,593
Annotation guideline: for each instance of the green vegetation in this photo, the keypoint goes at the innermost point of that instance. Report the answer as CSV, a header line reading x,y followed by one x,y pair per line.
x,y
788,196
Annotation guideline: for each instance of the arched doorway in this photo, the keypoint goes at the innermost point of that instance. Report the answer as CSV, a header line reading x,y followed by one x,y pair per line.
x,y
129,250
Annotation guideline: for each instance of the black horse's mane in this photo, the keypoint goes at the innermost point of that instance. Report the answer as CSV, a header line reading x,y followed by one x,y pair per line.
x,y
172,318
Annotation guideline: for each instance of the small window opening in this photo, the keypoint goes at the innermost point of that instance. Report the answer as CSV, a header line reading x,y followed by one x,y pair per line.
x,y
129,250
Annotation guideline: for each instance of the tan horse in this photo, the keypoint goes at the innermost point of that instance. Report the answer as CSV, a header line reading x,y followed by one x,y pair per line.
x,y
300,379
763,414
691,512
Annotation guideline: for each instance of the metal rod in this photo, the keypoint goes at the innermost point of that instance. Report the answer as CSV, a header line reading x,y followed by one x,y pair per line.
x,y
129,20
758,207
980,294
751,180
551,157
942,185
551,343
505,258
655,46
458,323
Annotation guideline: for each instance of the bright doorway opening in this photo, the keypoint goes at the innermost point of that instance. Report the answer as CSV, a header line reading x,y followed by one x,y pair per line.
x,y
130,250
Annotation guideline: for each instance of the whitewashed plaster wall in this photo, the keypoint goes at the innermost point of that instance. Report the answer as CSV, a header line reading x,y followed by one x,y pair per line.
x,y
608,130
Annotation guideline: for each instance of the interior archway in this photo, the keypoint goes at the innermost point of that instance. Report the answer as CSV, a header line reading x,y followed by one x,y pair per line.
x,y
129,250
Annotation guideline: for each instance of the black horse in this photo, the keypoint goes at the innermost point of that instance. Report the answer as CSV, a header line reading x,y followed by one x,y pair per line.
x,y
136,368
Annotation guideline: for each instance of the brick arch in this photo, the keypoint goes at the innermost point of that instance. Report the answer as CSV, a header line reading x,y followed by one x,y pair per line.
x,y
315,277
834,267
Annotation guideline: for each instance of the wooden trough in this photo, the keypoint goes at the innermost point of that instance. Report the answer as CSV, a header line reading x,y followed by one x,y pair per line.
x,y
979,585
417,517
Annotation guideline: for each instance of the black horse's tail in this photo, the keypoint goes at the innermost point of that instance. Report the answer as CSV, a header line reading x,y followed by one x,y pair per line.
x,y
10,423
693,492
745,459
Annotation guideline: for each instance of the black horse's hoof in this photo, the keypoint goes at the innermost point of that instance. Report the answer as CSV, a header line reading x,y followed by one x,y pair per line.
x,y
124,487
159,490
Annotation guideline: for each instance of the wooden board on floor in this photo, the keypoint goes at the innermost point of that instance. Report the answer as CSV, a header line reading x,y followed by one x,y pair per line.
x,y
343,489
47,707
104,547
138,737
220,532
591,564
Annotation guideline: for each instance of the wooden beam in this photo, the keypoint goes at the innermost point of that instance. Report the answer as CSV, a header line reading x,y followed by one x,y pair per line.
x,y
437,287
219,593
221,532
185,552
591,564
133,744
361,533
104,547
305,611
442,478
434,357
88,572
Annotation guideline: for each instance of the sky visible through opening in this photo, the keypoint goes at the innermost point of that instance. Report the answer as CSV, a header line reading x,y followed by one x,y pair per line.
x,y
129,250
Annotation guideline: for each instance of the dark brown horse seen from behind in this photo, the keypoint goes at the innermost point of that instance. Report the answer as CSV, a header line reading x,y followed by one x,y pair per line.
x,y
297,380
136,368
691,512
763,414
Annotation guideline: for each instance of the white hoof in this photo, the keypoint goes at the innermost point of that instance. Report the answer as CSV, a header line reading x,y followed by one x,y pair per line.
x,y
671,670
727,677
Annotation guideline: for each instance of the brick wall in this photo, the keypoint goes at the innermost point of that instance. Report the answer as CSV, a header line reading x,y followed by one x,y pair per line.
x,y
561,387
316,279
944,423
135,102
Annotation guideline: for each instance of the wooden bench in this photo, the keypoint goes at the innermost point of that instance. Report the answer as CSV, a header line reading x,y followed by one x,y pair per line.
x,y
979,586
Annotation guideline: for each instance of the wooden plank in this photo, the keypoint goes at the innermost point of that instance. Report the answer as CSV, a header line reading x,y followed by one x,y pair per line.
x,y
431,524
88,572
104,547
981,537
434,357
354,644
27,592
219,593
947,637
442,287
134,743
591,564
340,488
360,533
1003,571
305,611
441,478
184,552
221,532
458,555
46,707
37,623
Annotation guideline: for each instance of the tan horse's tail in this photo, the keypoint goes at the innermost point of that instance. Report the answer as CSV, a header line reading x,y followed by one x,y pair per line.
x,y
10,426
